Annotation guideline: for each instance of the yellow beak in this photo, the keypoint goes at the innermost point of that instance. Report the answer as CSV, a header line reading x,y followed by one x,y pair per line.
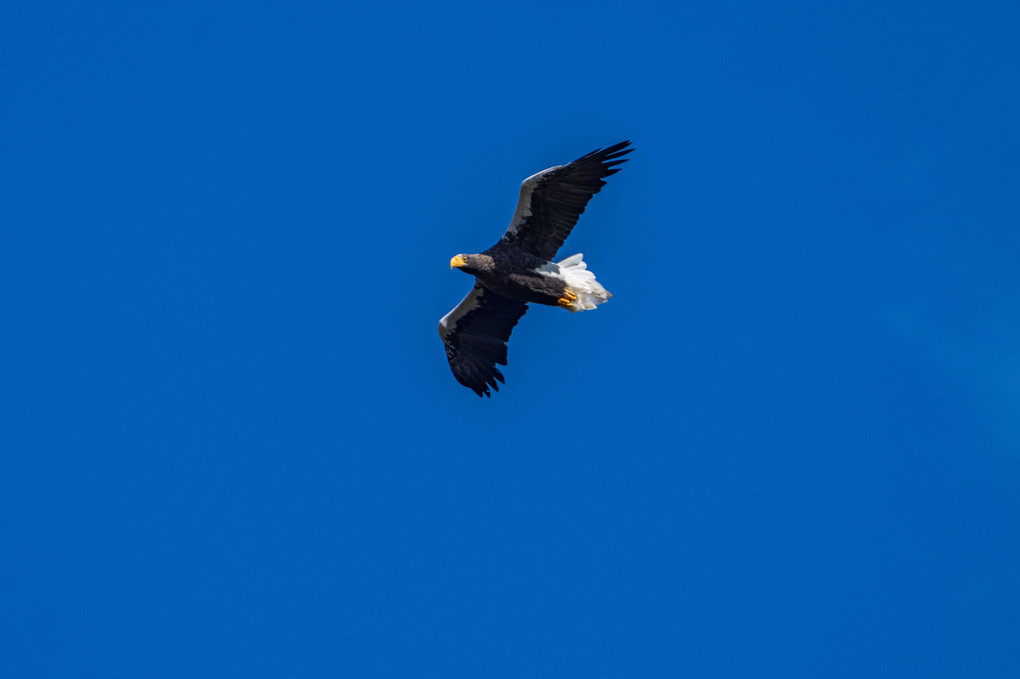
x,y
458,262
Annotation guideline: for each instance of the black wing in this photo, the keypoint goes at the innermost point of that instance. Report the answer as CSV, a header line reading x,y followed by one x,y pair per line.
x,y
552,200
475,334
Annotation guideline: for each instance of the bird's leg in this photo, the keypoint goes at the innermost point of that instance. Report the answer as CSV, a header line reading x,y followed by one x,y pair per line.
x,y
567,300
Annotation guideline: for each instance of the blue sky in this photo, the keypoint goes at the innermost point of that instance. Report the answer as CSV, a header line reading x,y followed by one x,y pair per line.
x,y
231,445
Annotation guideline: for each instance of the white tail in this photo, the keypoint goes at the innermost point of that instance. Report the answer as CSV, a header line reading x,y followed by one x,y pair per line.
x,y
574,272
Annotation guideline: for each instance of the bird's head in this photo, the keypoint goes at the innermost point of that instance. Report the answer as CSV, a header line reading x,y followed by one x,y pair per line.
x,y
472,264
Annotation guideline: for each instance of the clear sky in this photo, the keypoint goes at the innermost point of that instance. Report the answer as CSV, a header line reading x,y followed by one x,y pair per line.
x,y
230,443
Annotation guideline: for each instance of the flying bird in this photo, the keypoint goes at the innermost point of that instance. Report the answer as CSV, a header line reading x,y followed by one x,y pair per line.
x,y
519,270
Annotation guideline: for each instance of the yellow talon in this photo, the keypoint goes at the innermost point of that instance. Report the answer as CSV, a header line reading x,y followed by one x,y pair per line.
x,y
567,300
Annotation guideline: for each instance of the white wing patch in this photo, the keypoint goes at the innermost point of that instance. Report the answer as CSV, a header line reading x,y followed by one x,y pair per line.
x,y
523,210
448,323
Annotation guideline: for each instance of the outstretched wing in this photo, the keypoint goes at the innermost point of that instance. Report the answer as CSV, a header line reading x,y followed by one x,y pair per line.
x,y
475,334
552,200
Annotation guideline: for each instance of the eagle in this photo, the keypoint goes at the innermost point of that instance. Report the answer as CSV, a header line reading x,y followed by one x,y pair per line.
x,y
519,270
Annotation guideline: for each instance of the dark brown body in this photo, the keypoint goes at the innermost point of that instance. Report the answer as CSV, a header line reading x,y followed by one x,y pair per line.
x,y
524,283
